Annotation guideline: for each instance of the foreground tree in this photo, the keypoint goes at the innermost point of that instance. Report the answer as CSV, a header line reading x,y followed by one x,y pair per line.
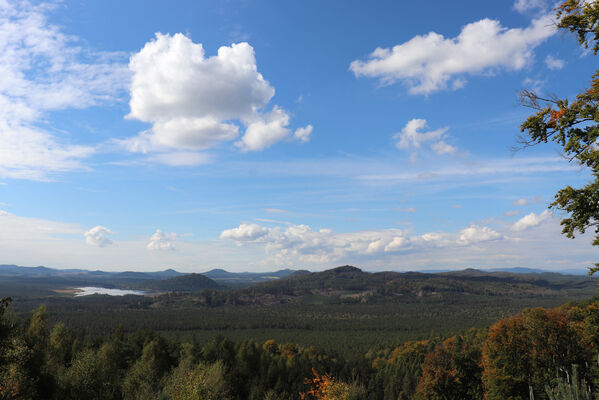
x,y
573,125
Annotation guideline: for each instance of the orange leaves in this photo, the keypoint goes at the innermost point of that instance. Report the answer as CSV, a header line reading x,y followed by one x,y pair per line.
x,y
555,115
520,350
321,384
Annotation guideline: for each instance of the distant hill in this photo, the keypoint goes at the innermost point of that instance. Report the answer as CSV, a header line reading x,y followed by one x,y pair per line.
x,y
519,270
41,271
14,277
522,270
246,278
184,283
349,284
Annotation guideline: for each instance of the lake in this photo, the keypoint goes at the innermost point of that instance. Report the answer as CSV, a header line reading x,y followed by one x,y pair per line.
x,y
89,290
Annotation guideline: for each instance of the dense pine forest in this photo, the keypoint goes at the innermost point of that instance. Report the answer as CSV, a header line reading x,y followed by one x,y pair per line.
x,y
540,351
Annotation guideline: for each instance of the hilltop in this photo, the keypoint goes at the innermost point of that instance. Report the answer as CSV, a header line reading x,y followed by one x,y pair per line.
x,y
349,284
184,283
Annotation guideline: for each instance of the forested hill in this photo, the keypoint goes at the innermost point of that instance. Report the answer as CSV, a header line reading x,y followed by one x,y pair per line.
x,y
349,278
184,283
350,284
247,278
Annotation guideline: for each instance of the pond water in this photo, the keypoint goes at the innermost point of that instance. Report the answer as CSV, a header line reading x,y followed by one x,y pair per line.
x,y
88,290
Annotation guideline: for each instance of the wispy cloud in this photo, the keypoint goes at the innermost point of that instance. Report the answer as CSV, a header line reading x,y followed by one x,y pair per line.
x,y
45,70
491,167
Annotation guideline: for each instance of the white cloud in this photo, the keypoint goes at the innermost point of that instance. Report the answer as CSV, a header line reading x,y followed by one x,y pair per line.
x,y
443,148
432,237
411,137
275,210
303,134
530,220
512,213
523,6
96,236
162,241
195,102
33,241
475,234
520,202
303,244
245,233
44,70
554,63
535,84
414,135
301,241
397,243
432,62
265,130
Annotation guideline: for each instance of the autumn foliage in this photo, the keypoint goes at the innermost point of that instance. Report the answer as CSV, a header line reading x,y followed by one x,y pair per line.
x,y
325,387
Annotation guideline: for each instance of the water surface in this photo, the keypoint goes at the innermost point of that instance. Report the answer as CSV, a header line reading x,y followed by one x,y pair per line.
x,y
88,290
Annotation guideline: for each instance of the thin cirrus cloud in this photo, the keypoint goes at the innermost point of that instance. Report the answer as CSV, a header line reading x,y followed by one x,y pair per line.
x,y
554,62
44,70
195,102
511,167
410,210
430,63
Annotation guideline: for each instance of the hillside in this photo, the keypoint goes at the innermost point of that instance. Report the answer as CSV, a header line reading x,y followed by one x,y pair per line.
x,y
351,282
246,278
184,283
348,284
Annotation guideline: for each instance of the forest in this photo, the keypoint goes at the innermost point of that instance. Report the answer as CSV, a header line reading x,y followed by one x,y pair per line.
x,y
547,352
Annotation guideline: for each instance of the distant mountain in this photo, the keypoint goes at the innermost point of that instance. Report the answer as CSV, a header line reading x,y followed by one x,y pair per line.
x,y
184,283
350,284
15,270
45,272
522,270
518,270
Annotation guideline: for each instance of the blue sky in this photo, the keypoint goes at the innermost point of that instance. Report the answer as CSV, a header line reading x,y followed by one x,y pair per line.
x,y
264,135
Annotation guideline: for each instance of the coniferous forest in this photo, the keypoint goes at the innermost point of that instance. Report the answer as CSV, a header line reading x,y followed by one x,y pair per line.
x,y
547,352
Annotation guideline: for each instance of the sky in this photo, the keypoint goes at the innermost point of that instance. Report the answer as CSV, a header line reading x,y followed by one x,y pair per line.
x,y
260,135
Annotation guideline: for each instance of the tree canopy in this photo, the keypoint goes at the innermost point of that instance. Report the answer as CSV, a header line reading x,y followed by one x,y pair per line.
x,y
573,125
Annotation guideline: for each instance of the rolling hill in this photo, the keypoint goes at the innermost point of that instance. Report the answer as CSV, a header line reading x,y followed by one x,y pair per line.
x,y
184,283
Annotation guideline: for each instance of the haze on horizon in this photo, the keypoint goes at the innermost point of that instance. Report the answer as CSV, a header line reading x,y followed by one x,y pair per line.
x,y
200,135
